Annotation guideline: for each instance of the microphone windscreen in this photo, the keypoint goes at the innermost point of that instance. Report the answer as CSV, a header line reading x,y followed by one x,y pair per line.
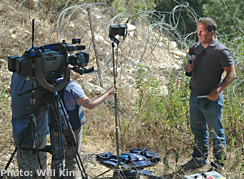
x,y
191,50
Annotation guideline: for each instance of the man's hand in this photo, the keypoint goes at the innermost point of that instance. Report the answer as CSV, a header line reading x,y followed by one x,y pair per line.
x,y
189,67
213,95
231,75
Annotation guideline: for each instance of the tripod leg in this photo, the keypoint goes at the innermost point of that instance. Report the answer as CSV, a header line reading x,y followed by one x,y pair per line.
x,y
61,119
118,174
56,137
70,161
55,164
58,156
75,139
73,160
28,161
11,158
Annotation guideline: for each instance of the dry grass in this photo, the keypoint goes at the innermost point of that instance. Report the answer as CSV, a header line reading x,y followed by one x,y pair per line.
x,y
174,144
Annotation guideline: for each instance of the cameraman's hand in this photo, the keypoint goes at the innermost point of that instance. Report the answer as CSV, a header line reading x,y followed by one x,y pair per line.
x,y
90,104
113,89
189,67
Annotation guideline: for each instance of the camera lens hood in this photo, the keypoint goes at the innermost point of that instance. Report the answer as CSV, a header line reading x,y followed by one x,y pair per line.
x,y
43,82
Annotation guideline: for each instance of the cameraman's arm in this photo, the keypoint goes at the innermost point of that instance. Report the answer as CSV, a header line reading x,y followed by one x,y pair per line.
x,y
90,104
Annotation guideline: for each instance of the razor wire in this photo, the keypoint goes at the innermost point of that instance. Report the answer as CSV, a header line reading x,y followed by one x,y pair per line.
x,y
152,46
157,47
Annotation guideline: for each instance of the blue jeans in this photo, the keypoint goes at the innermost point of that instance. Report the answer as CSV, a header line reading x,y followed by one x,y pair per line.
x,y
204,121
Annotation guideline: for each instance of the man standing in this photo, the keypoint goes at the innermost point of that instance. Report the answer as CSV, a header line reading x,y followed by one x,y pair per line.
x,y
206,98
30,124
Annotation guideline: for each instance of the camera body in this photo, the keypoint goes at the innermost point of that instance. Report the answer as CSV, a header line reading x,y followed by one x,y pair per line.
x,y
54,59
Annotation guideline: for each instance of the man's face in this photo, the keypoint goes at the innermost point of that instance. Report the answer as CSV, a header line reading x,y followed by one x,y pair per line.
x,y
204,36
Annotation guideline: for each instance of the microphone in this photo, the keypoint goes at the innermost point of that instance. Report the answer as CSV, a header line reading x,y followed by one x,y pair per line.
x,y
71,48
190,56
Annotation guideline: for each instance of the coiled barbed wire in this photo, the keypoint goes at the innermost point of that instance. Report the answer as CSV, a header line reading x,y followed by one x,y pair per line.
x,y
158,47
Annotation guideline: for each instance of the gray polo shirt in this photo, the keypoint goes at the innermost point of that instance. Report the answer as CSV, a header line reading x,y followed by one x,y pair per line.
x,y
208,66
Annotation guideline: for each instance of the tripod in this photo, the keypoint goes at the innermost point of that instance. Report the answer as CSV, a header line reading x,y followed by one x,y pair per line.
x,y
119,171
25,110
58,127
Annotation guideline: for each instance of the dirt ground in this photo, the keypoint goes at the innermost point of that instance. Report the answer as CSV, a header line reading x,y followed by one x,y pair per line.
x,y
15,35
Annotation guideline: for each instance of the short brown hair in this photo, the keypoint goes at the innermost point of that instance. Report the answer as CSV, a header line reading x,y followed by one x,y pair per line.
x,y
211,24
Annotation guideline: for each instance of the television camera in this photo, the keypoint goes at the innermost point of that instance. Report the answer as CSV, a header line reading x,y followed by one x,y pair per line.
x,y
49,62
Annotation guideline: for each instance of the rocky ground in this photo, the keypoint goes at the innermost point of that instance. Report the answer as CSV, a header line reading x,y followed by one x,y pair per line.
x,y
15,35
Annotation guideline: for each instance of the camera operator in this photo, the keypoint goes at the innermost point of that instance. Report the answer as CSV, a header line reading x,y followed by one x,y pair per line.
x,y
74,100
206,98
30,125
